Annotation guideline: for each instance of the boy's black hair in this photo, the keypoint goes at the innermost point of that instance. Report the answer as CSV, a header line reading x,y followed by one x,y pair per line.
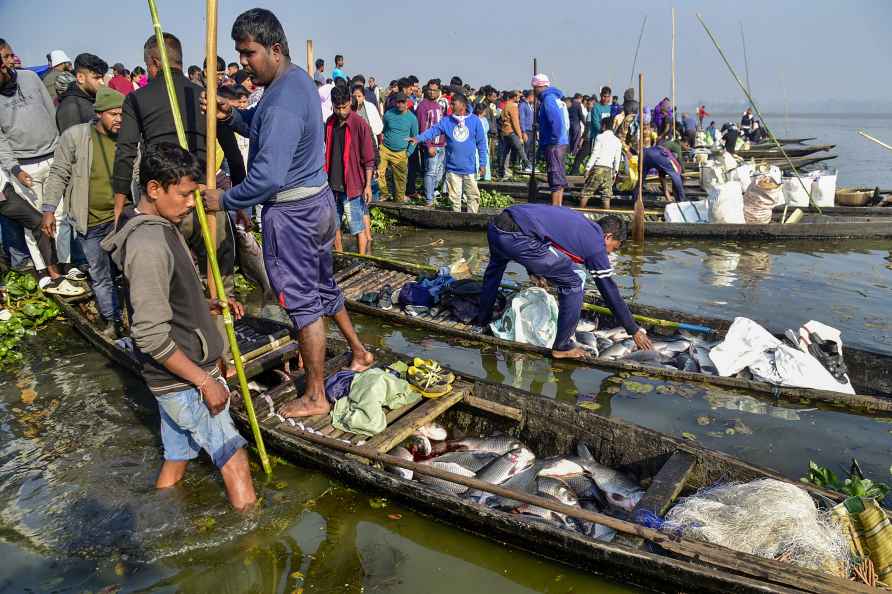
x,y
338,56
413,79
605,90
192,70
455,81
233,64
262,26
341,82
167,163
240,76
358,78
403,84
90,63
615,225
460,97
221,64
320,62
340,95
357,87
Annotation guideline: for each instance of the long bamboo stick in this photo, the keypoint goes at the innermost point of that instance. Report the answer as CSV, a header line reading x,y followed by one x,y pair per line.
x,y
869,137
533,184
674,104
759,114
638,219
208,243
637,47
311,66
715,555
211,120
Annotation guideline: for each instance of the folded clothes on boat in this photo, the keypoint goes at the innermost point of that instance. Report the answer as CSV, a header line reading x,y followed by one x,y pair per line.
x,y
371,391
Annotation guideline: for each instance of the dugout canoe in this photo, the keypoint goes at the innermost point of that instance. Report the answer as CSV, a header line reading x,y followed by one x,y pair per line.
x,y
812,226
666,467
770,153
871,372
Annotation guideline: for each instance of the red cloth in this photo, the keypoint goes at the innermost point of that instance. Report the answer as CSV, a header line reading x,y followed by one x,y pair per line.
x,y
359,151
121,84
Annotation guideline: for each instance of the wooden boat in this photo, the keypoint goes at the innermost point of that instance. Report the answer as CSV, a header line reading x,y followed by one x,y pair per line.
x,y
812,226
871,372
766,153
665,466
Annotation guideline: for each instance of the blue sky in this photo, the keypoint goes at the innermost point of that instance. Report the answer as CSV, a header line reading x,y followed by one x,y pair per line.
x,y
812,51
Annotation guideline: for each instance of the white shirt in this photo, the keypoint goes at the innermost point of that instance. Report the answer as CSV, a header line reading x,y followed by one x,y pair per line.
x,y
607,152
325,100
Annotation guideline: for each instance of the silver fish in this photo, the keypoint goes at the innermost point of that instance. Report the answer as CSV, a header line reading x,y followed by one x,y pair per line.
x,y
419,445
404,454
614,334
621,491
671,346
500,444
560,467
587,326
685,362
593,529
701,355
587,338
604,343
618,350
500,470
645,357
694,338
555,489
546,515
444,485
471,460
432,431
524,481
583,486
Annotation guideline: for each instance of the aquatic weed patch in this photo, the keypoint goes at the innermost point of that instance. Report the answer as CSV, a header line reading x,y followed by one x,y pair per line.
x,y
28,310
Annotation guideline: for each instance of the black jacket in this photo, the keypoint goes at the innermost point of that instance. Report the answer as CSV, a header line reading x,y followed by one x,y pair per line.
x,y
76,107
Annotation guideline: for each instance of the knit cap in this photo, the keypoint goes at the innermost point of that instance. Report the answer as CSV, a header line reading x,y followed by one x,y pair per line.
x,y
106,99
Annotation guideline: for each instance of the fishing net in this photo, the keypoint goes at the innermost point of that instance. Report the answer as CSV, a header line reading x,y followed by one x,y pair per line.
x,y
766,518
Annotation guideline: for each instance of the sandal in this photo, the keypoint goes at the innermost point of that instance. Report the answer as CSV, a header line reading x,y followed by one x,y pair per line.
x,y
76,275
63,288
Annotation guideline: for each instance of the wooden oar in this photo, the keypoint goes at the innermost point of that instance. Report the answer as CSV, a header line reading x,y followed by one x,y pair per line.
x,y
768,570
209,244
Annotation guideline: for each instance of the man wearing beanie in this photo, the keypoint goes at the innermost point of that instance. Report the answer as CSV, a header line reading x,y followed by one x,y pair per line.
x,y
81,172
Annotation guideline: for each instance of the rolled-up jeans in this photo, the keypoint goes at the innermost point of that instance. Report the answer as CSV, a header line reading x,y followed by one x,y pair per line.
x,y
433,172
101,271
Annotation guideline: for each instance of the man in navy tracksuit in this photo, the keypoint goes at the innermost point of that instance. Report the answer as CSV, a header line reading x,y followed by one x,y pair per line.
x,y
286,175
552,243
662,159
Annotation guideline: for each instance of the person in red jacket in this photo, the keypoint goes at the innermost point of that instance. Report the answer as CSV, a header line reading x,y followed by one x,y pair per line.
x,y
701,114
349,162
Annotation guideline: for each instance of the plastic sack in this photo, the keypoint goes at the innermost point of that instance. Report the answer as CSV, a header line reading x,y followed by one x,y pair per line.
x,y
760,198
531,318
794,193
712,175
743,173
823,190
687,212
726,204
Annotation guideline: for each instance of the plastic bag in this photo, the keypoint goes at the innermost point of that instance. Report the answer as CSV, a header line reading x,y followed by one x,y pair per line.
x,y
531,318
712,175
823,190
743,173
687,212
726,204
794,193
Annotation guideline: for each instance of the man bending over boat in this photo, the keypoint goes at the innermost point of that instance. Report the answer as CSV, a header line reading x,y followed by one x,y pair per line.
x,y
171,326
299,217
555,244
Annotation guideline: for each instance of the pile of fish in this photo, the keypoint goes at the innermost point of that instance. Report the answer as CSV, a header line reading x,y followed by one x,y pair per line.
x,y
684,351
577,481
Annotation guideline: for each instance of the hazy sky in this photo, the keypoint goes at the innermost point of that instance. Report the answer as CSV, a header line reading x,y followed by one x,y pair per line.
x,y
810,50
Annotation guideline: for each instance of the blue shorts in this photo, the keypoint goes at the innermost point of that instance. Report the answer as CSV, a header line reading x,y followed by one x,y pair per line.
x,y
187,427
355,209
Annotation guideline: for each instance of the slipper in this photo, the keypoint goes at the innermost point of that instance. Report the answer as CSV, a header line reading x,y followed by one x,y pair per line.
x,y
434,366
76,275
63,288
386,300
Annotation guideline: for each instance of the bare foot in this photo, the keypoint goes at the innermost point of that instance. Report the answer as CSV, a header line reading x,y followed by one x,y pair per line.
x,y
361,361
574,353
305,407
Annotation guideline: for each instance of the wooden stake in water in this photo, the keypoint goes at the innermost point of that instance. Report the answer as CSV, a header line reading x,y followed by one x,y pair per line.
x,y
311,67
205,233
638,220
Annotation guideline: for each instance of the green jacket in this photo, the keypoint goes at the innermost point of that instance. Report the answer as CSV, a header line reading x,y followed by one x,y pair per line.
x,y
69,176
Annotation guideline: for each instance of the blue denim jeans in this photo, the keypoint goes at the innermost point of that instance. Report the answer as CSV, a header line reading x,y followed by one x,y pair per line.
x,y
13,238
101,272
433,172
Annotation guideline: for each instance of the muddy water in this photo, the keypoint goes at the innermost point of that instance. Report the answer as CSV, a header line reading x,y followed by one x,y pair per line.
x,y
79,444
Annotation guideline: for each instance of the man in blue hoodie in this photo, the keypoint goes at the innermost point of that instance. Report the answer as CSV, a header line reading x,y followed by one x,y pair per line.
x,y
554,132
464,138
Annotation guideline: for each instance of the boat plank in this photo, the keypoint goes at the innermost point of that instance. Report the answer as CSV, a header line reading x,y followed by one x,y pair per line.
x,y
420,415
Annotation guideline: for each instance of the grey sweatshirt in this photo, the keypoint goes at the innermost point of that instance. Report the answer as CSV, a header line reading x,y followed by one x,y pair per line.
x,y
168,308
27,123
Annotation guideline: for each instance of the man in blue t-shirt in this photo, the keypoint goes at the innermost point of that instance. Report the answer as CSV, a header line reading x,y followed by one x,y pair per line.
x,y
552,243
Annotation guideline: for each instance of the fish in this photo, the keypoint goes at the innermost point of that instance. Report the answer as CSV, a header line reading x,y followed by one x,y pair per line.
x,y
444,485
500,470
671,346
618,350
686,362
500,444
701,355
620,490
524,481
561,467
404,454
546,515
603,343
556,489
587,338
646,357
432,431
471,460
583,487
593,529
418,445
614,334
587,326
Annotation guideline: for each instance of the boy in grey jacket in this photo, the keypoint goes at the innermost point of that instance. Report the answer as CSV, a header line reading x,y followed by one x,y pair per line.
x,y
171,325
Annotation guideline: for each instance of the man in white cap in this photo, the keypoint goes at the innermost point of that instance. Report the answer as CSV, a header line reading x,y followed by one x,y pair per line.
x,y
554,133
59,63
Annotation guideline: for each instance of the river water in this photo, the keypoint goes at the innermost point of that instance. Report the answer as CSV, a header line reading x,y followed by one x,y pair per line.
x,y
79,443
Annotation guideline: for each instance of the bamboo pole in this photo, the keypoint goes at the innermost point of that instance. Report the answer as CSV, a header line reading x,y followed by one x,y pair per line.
x,y
759,114
768,570
533,185
746,60
638,219
869,137
311,67
637,47
208,244
674,105
211,121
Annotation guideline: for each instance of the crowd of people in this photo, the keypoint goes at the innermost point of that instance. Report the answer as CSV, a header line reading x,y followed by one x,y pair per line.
x,y
96,186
